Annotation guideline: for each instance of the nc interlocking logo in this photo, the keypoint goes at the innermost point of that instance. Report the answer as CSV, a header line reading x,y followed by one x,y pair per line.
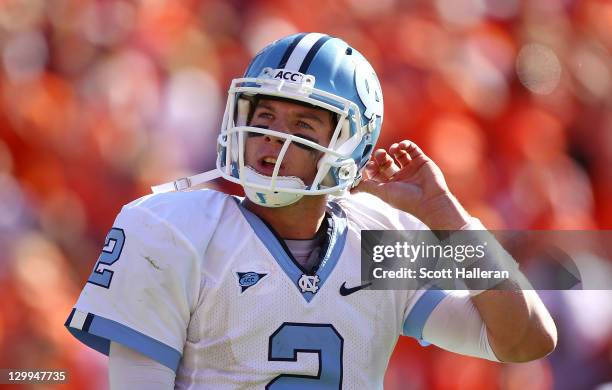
x,y
309,283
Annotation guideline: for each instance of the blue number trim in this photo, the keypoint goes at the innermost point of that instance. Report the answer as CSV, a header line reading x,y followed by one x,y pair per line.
x,y
103,278
322,339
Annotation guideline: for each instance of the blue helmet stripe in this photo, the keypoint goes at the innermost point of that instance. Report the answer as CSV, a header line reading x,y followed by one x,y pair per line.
x,y
290,49
313,51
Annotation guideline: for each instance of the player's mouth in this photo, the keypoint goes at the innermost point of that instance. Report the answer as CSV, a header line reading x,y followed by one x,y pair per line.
x,y
266,164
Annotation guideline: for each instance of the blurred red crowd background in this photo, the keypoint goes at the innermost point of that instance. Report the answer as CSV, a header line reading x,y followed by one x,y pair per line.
x,y
100,99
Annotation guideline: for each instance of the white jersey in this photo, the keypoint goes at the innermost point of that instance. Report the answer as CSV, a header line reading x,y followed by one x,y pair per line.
x,y
196,282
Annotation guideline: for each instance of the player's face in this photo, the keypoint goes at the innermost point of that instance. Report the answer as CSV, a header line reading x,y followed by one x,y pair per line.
x,y
313,124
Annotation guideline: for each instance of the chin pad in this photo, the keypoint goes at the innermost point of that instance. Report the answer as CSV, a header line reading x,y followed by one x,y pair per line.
x,y
276,198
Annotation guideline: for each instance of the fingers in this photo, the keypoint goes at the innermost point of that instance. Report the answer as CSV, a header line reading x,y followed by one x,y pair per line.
x,y
381,166
413,151
398,151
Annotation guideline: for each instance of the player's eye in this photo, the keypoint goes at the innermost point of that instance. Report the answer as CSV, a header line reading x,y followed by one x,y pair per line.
x,y
265,115
304,125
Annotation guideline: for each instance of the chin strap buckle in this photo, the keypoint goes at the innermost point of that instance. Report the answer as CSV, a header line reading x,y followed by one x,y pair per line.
x,y
185,183
182,184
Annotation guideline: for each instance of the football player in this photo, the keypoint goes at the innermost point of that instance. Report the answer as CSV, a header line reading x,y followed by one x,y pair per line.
x,y
200,289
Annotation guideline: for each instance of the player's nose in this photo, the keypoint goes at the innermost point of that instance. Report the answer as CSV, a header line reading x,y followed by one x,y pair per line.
x,y
281,125
273,139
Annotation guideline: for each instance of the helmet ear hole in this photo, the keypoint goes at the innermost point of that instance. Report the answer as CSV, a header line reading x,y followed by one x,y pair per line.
x,y
366,153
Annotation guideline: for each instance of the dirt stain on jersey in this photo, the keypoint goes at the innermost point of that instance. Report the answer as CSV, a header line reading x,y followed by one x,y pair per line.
x,y
152,262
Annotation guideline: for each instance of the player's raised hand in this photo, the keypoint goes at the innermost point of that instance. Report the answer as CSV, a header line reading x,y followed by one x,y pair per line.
x,y
410,181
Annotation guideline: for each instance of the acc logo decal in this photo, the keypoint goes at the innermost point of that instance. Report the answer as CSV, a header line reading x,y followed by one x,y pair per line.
x,y
248,279
283,74
296,77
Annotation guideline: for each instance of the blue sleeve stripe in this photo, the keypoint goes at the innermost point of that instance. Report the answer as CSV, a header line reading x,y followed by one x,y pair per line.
x,y
415,322
102,331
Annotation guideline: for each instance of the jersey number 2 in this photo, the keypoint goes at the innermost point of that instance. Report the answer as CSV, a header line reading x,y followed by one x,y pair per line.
x,y
322,339
110,253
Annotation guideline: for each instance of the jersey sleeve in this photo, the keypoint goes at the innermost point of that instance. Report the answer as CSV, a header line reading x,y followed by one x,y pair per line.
x,y
142,290
420,307
449,320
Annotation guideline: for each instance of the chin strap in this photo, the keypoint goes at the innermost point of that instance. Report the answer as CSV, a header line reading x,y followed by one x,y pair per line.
x,y
185,183
262,197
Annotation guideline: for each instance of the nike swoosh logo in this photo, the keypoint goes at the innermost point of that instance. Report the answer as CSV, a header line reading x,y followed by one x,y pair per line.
x,y
348,291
